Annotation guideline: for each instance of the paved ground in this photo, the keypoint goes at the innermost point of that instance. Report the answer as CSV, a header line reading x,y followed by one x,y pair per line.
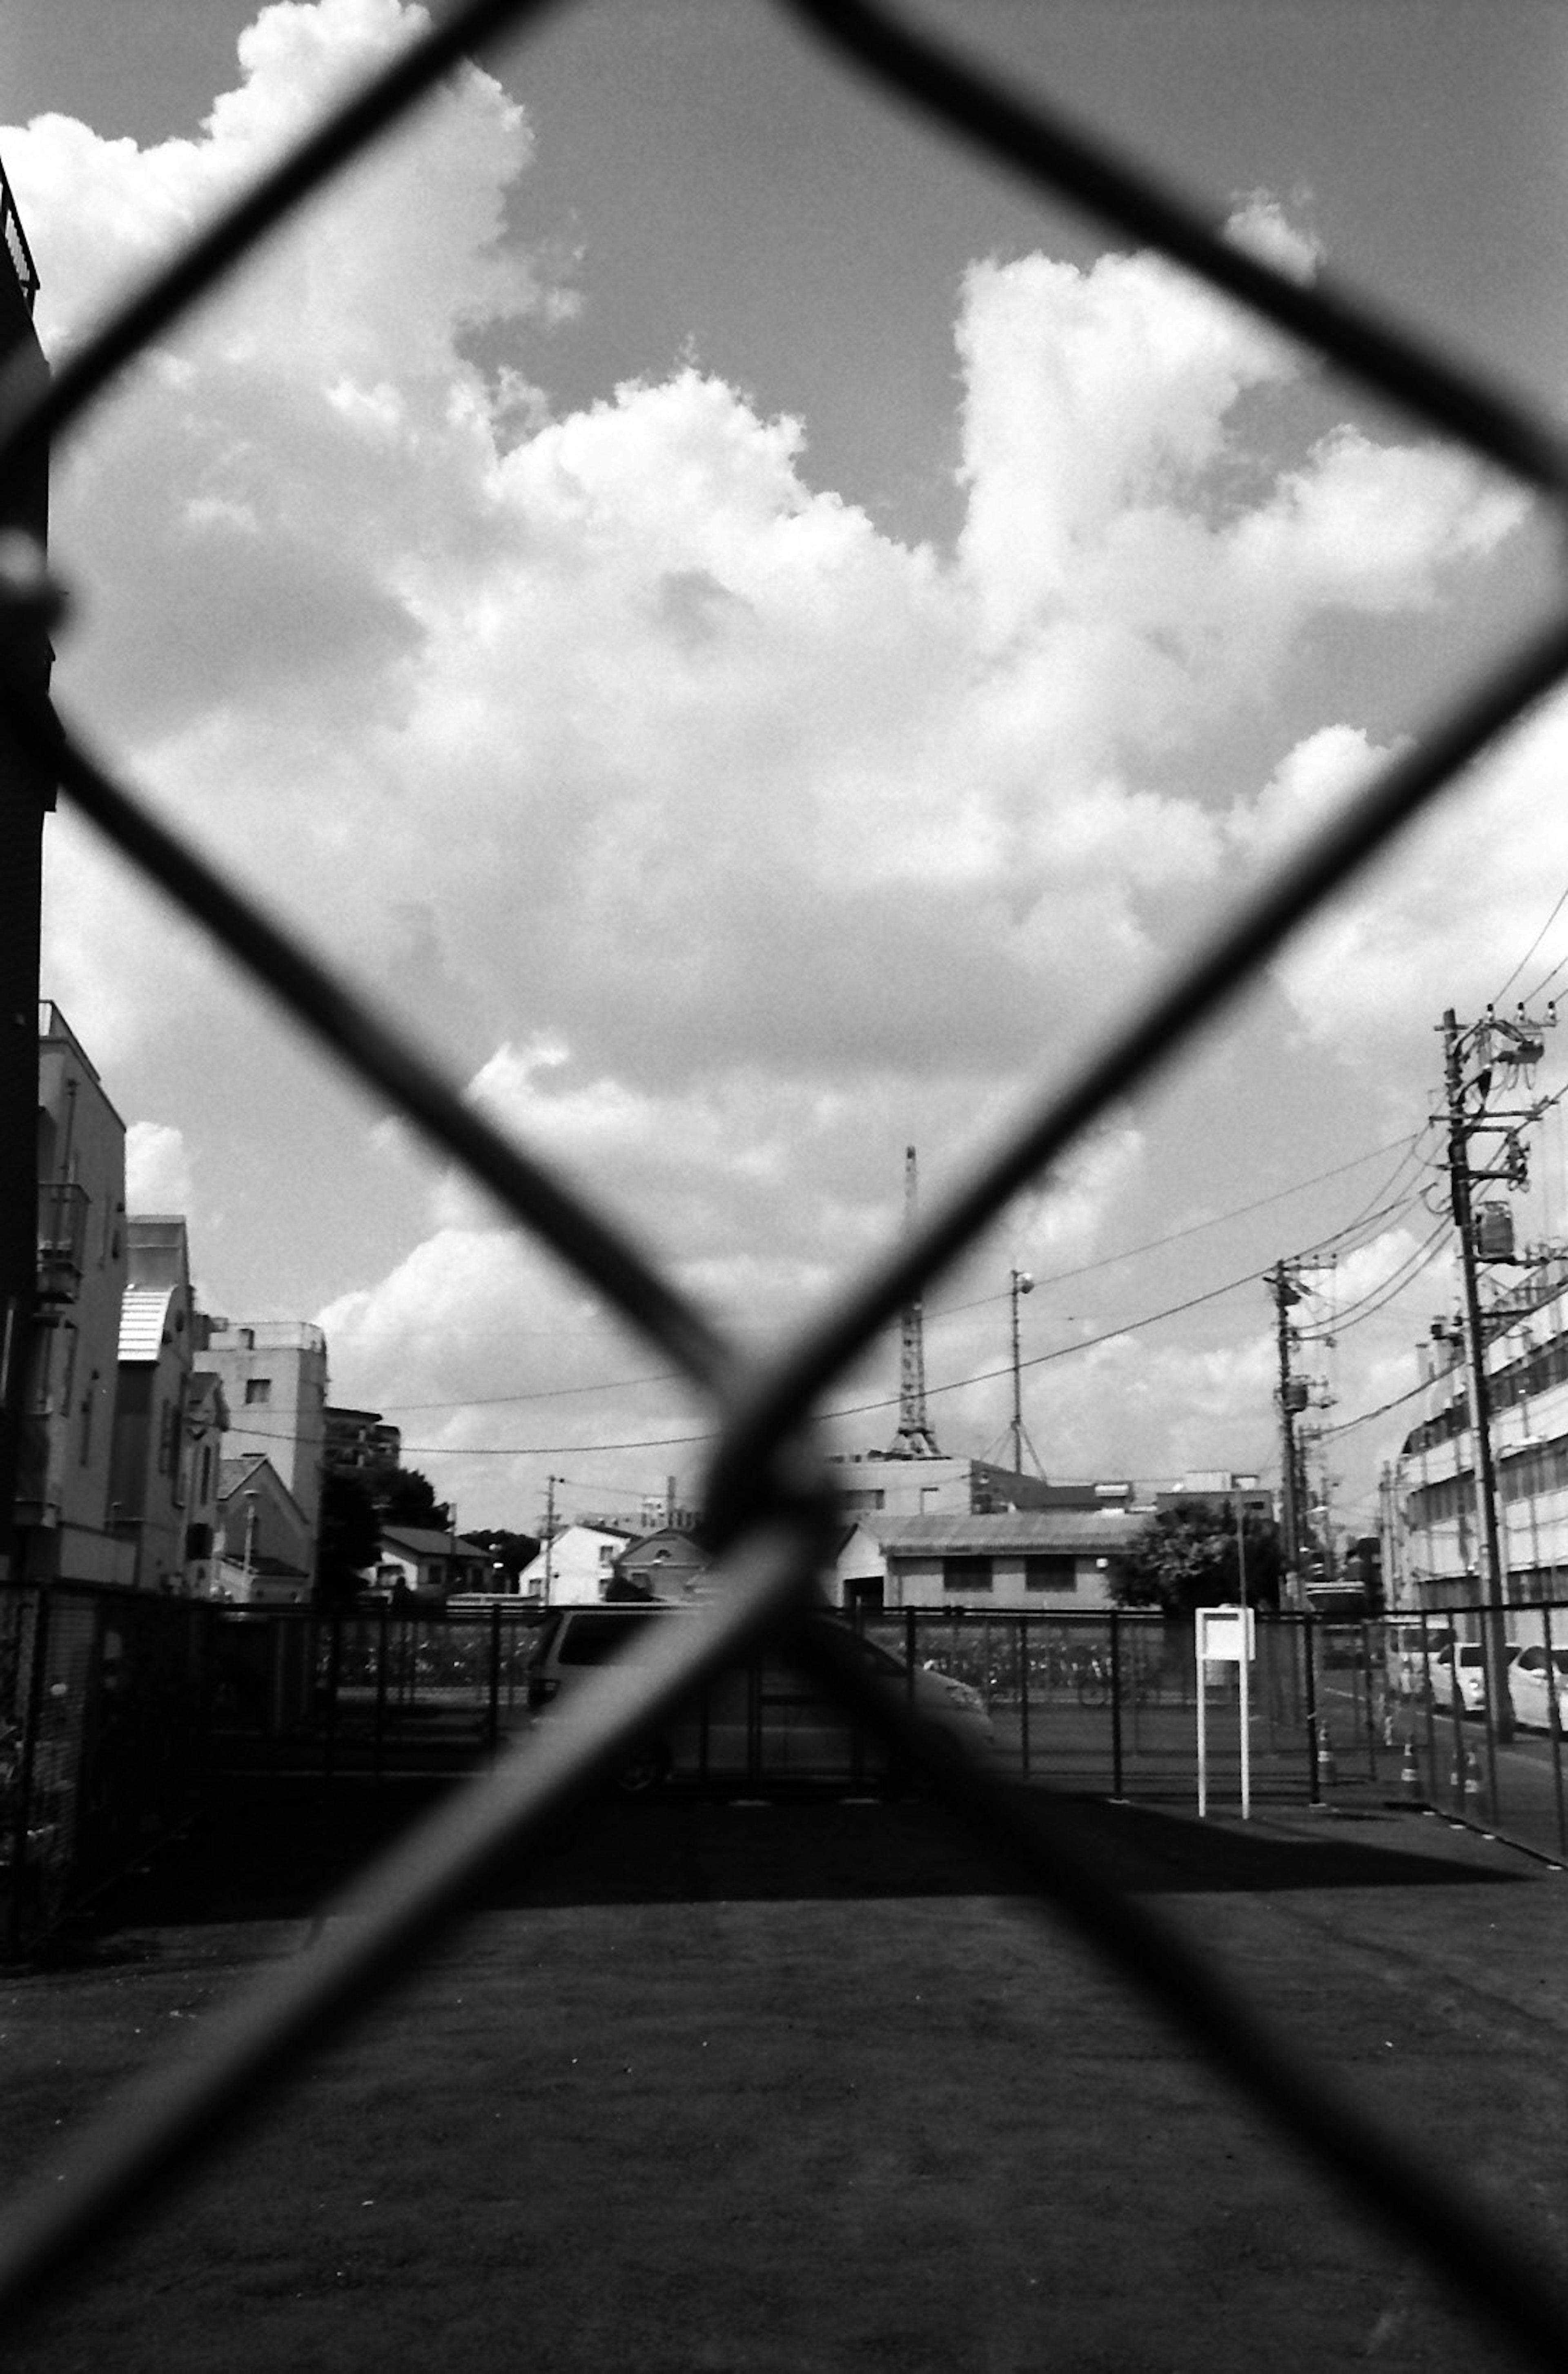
x,y
793,2088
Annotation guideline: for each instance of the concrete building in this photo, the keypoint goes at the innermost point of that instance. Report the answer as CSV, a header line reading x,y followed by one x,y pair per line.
x,y
27,793
149,1468
360,1443
887,1484
1061,1558
1432,1546
275,1381
207,1422
63,1485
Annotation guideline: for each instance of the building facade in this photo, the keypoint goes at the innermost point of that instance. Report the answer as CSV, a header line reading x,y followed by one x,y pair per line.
x,y
359,1443
64,1484
150,1472
274,1376
1433,1549
27,793
265,1549
874,1484
576,1566
1062,1559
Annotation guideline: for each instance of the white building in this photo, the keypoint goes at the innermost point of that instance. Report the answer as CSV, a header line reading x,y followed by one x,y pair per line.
x,y
274,1376
1434,1554
575,1568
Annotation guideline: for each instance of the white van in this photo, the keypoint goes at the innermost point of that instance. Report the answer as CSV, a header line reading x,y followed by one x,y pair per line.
x,y
759,1720
1409,1671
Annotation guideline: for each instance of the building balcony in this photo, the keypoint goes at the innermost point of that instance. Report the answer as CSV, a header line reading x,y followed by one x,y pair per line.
x,y
61,1237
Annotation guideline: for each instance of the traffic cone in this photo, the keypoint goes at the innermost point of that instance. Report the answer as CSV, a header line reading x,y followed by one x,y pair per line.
x,y
1327,1775
1410,1775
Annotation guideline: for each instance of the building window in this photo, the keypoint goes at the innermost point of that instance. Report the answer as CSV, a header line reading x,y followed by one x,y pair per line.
x,y
1050,1570
966,1574
258,1392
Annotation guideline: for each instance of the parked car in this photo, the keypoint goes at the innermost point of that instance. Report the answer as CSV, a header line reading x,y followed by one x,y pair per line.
x,y
1408,1648
1530,1686
759,1720
1459,1671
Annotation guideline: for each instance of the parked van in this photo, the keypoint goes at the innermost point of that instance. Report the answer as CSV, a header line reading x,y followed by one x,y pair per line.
x,y
1410,1652
759,1720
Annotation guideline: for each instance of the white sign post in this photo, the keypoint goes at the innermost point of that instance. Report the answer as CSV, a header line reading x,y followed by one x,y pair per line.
x,y
1226,1636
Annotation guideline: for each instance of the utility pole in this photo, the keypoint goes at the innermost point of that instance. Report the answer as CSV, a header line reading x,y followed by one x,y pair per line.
x,y
1292,1397
1021,1283
550,1482
1487,1042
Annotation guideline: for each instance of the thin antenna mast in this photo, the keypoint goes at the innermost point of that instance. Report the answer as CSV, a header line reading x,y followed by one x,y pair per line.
x,y
914,1439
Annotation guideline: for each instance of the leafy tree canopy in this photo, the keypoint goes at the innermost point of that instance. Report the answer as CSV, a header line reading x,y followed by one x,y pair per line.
x,y
1186,1557
349,1540
511,1552
406,1497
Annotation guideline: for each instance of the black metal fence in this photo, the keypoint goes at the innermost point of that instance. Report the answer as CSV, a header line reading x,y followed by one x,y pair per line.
x,y
770,1502
106,1703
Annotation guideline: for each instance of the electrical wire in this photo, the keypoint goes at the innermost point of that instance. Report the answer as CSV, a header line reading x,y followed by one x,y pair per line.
x,y
1378,1298
1523,960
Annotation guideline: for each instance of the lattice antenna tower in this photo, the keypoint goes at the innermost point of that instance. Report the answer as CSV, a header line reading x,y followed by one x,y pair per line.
x,y
914,1439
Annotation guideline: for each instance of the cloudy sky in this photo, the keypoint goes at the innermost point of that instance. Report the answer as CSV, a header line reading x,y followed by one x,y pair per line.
x,y
759,641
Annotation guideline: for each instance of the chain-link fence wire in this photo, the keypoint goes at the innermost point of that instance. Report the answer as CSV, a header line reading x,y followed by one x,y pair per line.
x,y
770,1504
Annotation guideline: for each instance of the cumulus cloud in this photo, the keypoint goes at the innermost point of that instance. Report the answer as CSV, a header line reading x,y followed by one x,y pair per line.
x,y
717,830
158,1175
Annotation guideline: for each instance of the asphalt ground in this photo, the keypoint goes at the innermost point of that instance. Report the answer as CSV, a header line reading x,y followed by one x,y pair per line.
x,y
791,2085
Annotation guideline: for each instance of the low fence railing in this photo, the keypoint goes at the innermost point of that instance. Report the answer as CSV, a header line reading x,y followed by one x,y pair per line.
x,y
106,1714
118,1710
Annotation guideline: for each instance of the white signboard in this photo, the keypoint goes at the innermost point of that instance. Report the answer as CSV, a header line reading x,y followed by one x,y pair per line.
x,y
1220,1633
1225,1636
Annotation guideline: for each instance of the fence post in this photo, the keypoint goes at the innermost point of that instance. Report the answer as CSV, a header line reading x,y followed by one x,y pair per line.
x,y
1117,1704
1428,1711
1023,1692
32,1715
1370,1724
334,1683
494,1721
379,1737
1554,1723
1309,1675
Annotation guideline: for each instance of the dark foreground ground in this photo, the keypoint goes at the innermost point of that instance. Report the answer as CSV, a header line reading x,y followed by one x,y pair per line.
x,y
788,2087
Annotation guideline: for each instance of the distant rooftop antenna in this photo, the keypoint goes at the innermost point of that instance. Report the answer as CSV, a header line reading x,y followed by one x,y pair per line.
x,y
914,1439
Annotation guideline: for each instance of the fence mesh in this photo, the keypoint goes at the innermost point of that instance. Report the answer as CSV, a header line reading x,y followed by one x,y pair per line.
x,y
770,1505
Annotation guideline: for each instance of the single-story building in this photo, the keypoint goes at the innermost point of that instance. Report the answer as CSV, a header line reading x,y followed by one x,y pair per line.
x,y
1020,1557
431,1565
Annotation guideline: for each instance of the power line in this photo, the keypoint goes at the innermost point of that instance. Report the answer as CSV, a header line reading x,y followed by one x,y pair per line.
x,y
1523,960
1378,1298
855,1409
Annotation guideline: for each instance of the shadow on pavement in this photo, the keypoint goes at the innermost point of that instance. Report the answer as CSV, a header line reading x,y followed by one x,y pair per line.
x,y
260,1856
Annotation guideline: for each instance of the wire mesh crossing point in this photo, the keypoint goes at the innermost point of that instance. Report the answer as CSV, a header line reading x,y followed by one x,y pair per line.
x,y
770,1501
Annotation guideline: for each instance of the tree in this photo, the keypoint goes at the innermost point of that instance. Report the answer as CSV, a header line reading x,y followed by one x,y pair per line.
x,y
349,1541
406,1497
511,1552
1186,1557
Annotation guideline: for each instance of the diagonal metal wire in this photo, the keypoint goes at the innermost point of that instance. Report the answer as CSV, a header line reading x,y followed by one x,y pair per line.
x,y
767,1497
